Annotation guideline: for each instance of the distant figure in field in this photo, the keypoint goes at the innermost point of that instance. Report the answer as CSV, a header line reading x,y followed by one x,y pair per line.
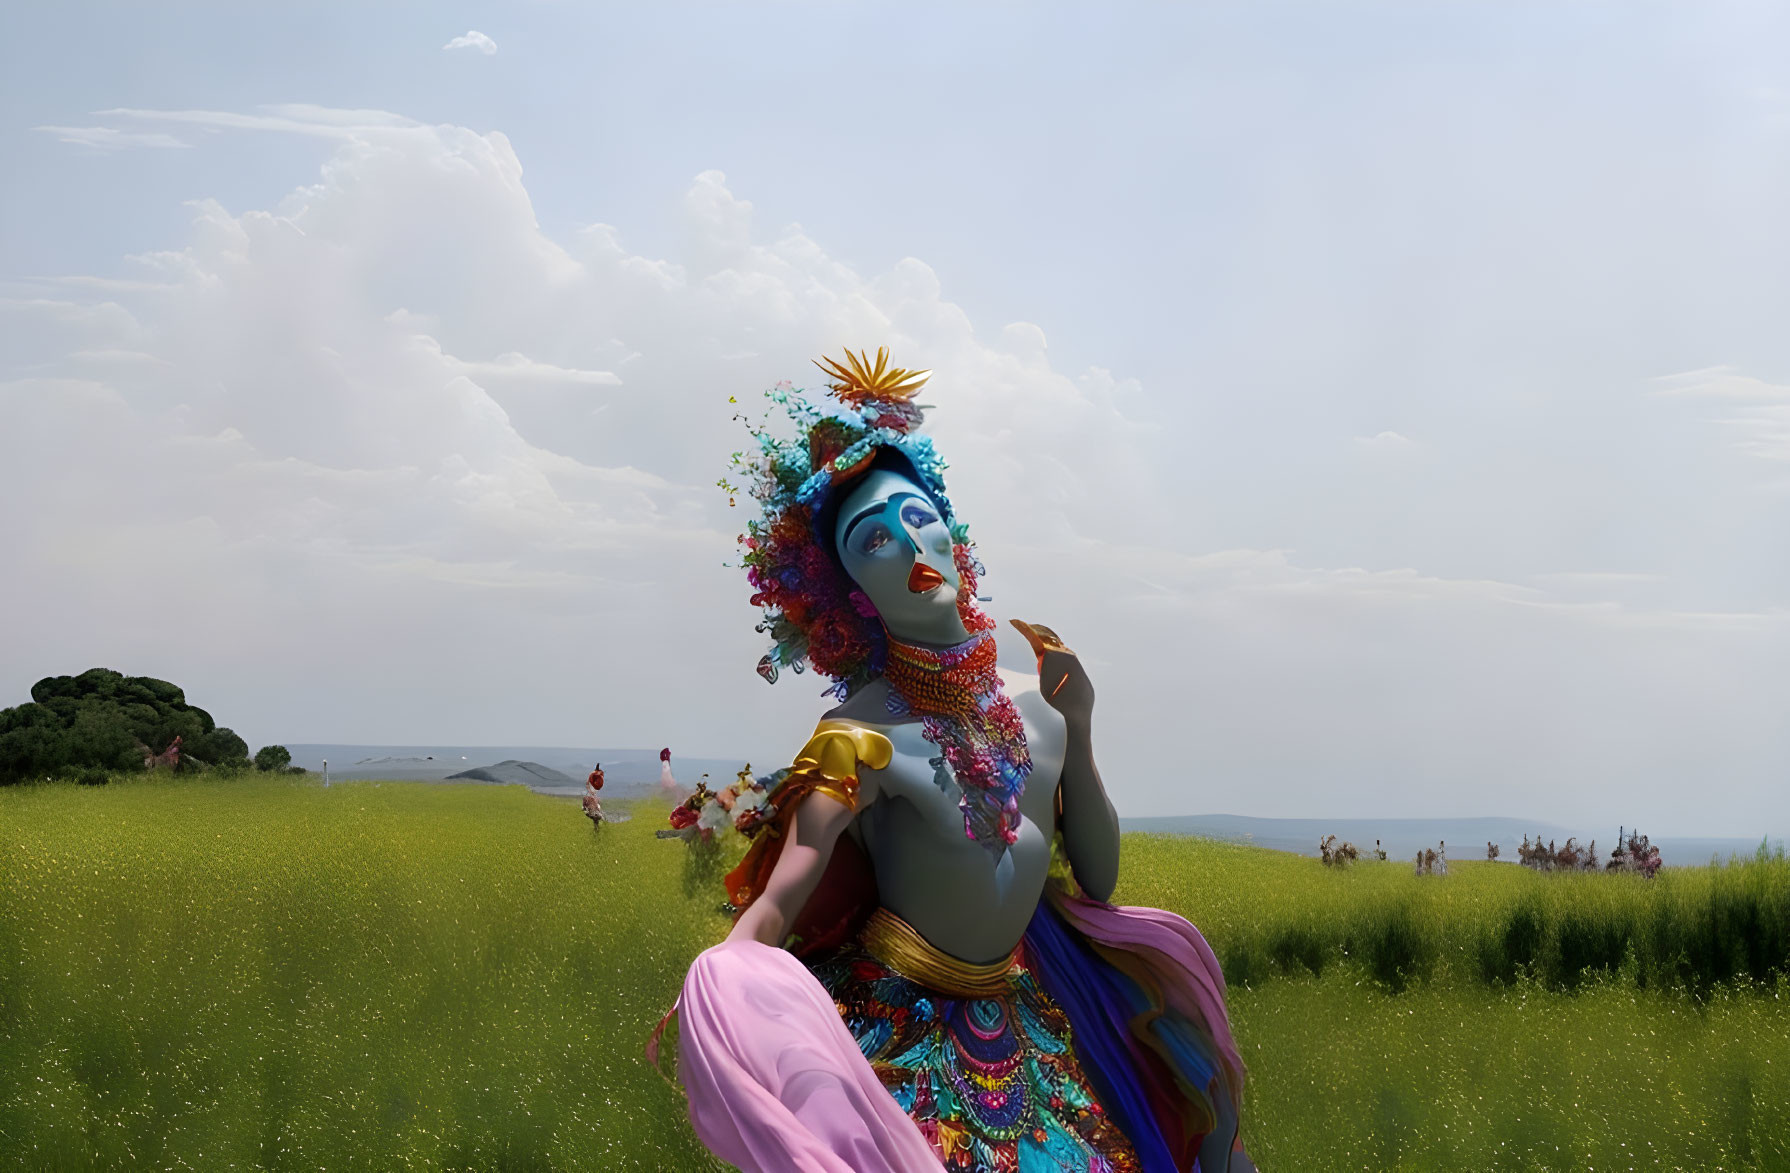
x,y
686,817
593,807
169,757
666,781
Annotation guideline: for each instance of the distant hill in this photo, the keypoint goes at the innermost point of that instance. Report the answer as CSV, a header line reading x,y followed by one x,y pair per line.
x,y
1403,838
625,771
529,774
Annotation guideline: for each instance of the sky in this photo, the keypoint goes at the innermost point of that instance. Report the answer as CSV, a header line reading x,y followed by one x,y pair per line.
x,y
1390,403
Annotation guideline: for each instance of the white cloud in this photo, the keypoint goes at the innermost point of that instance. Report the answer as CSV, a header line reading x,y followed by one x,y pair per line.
x,y
522,369
1598,578
114,284
345,448
1025,340
473,39
1761,427
316,121
1384,440
308,112
110,138
1721,382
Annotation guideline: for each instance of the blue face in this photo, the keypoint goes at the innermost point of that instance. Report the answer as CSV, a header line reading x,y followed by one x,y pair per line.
x,y
897,549
905,519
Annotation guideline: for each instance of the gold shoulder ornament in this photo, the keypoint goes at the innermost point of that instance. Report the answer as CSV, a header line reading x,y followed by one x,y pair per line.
x,y
829,763
834,755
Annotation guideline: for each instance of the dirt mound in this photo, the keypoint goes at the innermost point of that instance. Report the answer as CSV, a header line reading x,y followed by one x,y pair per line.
x,y
525,773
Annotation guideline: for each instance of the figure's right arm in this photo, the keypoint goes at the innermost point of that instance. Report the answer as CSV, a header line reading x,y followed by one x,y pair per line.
x,y
819,819
795,829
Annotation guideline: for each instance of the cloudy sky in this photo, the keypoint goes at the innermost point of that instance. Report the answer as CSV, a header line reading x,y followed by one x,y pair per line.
x,y
1390,402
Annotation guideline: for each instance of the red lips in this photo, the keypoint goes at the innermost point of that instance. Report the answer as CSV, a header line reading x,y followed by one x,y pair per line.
x,y
923,578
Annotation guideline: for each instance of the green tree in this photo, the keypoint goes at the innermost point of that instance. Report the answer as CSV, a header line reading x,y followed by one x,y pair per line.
x,y
220,748
103,722
34,742
102,738
272,757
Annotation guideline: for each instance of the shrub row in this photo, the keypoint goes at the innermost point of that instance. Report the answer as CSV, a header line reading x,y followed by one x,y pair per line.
x,y
1692,928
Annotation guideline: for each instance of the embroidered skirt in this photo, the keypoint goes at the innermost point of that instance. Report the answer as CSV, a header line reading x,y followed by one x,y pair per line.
x,y
977,1055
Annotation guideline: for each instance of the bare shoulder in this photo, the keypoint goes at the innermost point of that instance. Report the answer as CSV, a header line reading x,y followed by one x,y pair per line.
x,y
867,706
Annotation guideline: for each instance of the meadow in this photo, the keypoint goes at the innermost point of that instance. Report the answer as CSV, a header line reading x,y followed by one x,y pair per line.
x,y
263,973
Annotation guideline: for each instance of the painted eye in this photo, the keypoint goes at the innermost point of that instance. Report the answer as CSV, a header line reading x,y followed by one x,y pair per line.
x,y
917,515
871,537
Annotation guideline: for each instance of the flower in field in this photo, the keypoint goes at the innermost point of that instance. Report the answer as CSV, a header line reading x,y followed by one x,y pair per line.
x,y
747,806
713,817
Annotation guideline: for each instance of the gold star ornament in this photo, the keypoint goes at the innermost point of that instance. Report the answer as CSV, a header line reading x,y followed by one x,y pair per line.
x,y
857,380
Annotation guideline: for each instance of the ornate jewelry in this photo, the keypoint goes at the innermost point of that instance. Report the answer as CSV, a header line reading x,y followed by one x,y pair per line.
x,y
957,693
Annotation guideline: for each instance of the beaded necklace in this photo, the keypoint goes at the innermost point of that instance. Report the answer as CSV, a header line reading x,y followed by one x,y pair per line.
x,y
957,693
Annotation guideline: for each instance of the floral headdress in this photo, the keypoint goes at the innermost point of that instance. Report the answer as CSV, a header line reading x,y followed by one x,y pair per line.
x,y
817,615
813,613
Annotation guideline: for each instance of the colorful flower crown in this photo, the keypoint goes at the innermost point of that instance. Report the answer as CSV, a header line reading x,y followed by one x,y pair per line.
x,y
812,611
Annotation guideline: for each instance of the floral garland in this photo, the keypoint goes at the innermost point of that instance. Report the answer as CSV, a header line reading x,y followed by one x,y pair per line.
x,y
957,693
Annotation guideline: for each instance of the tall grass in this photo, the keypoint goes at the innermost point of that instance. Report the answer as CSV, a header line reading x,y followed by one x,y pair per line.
x,y
262,973
1346,1076
1268,914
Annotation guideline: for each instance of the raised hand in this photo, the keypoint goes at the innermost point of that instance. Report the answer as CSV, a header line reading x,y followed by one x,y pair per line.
x,y
1061,677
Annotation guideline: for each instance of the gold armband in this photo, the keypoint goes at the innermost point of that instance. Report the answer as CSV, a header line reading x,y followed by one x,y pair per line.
x,y
828,763
835,753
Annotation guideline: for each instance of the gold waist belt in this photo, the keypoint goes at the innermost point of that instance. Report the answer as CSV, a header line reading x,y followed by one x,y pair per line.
x,y
899,946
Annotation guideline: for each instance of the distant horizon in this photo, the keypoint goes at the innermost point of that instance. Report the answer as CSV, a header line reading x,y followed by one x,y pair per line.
x,y
1343,825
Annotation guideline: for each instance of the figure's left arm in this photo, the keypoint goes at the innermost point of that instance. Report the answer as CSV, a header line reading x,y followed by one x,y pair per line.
x,y
1089,823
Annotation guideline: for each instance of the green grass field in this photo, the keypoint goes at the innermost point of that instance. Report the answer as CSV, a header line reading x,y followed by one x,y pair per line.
x,y
261,973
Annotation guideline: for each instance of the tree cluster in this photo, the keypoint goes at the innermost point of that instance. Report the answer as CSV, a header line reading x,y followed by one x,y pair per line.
x,y
1338,856
277,759
104,722
1570,857
1635,854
